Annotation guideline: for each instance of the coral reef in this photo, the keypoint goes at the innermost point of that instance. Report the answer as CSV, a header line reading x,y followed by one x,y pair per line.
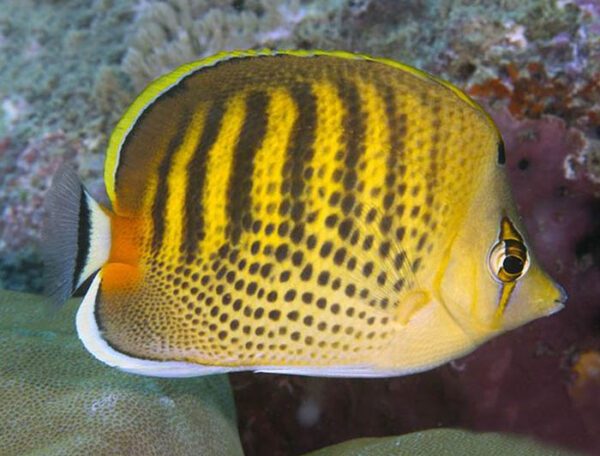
x,y
170,33
61,91
533,94
441,442
456,39
536,93
56,399
57,56
583,389
27,172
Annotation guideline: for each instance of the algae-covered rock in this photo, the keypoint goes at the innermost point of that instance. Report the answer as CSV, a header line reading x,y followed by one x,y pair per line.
x,y
56,399
441,442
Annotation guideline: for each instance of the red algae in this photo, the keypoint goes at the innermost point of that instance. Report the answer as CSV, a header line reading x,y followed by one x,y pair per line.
x,y
530,92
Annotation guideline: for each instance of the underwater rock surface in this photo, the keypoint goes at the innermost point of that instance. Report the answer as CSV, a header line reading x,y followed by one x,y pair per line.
x,y
56,399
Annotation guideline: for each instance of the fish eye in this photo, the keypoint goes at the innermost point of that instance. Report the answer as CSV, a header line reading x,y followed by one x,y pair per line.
x,y
508,261
513,265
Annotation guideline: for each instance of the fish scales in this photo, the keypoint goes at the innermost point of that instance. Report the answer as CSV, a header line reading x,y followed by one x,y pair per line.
x,y
226,201
289,210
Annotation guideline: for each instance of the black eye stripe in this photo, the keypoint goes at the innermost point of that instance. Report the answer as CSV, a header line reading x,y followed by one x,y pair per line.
x,y
515,249
509,259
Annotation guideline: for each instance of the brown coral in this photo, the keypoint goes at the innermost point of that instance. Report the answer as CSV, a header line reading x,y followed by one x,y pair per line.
x,y
531,92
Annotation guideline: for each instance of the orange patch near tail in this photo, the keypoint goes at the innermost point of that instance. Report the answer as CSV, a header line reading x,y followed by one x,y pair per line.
x,y
122,271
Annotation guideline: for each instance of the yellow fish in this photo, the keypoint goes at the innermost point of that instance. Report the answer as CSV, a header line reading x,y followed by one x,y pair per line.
x,y
317,213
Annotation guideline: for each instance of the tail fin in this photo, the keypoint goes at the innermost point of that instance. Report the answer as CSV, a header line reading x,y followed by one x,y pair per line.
x,y
76,236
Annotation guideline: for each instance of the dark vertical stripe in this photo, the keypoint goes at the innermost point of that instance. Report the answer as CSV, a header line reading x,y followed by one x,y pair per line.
x,y
193,224
396,124
97,304
161,196
354,129
252,135
83,239
300,149
432,173
397,127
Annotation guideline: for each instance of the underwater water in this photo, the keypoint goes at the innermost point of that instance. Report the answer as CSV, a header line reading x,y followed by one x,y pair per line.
x,y
68,71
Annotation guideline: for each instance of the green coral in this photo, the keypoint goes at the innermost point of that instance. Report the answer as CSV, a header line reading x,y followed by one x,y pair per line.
x,y
442,442
22,270
56,399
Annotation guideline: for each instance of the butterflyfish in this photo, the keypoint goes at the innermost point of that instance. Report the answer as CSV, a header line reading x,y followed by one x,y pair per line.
x,y
303,212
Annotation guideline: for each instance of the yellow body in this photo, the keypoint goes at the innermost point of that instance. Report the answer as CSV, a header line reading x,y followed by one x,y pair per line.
x,y
308,209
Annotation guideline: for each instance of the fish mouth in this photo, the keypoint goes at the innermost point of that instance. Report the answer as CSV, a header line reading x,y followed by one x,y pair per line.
x,y
561,301
563,294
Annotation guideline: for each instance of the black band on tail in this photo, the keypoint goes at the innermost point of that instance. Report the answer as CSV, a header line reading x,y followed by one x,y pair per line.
x,y
83,239
63,234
